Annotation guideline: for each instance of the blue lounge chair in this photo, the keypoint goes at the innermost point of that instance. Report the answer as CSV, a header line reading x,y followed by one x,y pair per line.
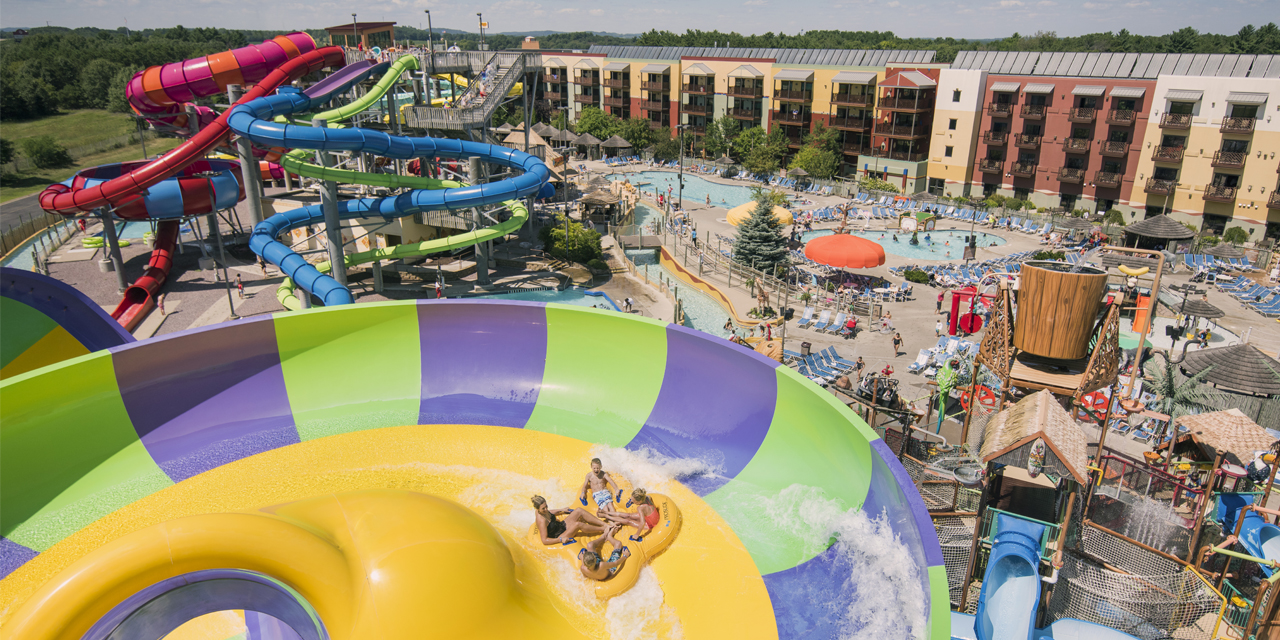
x,y
823,321
807,318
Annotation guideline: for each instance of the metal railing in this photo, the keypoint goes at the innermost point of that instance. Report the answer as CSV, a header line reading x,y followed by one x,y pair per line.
x,y
1023,169
852,124
1075,145
701,89
1273,202
995,137
1121,117
745,92
1048,539
923,103
50,231
659,87
907,156
1083,115
788,117
855,148
1026,141
586,81
481,107
1113,148
855,99
1168,154
1070,175
1220,193
1106,179
1161,187
1000,109
902,130
1175,121
746,114
989,165
696,109
1032,111
1237,125
616,83
792,96
1229,159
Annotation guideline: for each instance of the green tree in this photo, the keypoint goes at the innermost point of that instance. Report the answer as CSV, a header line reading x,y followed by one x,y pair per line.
x,y
1184,40
45,152
760,243
1235,235
96,79
764,151
869,183
719,135
117,101
817,161
638,132
6,151
667,147
774,196
824,138
1113,216
583,246
597,123
747,141
1177,394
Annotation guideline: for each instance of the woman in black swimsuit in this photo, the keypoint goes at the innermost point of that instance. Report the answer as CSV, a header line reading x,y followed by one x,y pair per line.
x,y
576,522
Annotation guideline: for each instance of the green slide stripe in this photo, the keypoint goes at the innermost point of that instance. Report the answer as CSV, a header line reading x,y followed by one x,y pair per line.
x,y
939,603
584,349
378,381
68,458
810,442
23,327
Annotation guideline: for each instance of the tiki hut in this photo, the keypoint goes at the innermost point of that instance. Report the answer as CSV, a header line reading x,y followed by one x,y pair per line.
x,y
1240,368
1225,250
1156,231
1203,436
1009,435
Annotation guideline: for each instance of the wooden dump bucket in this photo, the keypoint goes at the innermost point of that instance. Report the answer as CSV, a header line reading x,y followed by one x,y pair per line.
x,y
1057,309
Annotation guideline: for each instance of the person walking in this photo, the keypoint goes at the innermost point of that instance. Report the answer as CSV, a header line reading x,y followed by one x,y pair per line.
x,y
239,286
941,296
160,303
940,329
708,200
439,290
897,344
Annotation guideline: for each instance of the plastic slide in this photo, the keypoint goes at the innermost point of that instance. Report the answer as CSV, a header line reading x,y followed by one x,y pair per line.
x,y
254,120
1259,538
1011,587
464,83
274,474
47,321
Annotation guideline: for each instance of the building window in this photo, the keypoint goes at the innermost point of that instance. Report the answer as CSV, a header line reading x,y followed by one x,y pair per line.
x,y
947,152
937,186
989,190
951,126
955,96
1020,193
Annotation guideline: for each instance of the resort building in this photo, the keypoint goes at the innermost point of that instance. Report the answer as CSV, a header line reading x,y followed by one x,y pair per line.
x,y
365,34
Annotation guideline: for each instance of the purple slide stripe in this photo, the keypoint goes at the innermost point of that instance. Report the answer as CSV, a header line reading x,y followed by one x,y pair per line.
x,y
716,404
12,556
480,364
212,404
907,513
80,316
825,578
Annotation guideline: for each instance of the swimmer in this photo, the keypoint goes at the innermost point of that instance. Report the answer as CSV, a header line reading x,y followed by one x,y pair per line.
x,y
595,482
895,237
552,530
645,518
592,563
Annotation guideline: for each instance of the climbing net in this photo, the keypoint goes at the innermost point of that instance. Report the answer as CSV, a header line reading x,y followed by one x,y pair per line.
x,y
956,537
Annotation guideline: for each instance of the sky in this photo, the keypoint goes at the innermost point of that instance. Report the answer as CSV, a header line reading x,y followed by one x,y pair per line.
x,y
908,18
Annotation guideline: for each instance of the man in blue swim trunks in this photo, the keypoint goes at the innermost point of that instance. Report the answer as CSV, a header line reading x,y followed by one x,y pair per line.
x,y
598,482
593,565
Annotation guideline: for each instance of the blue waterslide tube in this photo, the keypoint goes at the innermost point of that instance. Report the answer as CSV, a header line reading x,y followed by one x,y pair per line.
x,y
254,121
1011,587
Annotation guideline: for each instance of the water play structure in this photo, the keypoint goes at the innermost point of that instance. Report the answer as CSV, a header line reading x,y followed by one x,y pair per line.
x,y
211,442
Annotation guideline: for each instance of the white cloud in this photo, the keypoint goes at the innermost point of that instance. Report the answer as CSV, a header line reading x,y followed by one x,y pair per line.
x,y
596,12
1046,3
1137,3
1094,5
1010,3
893,5
754,3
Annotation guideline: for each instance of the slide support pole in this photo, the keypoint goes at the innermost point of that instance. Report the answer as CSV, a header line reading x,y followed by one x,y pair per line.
x,y
248,166
332,223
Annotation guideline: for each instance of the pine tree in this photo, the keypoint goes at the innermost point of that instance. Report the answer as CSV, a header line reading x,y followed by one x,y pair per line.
x,y
760,242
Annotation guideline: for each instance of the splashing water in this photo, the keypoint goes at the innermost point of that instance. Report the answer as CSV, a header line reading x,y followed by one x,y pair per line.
x,y
640,612
1151,522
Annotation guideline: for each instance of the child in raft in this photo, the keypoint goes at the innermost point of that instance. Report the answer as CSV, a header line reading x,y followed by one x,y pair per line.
x,y
595,483
645,518
592,563
577,522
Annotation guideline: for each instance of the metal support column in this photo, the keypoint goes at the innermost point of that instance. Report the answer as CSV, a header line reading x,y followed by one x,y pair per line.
x,y
482,249
248,167
113,251
332,224
222,255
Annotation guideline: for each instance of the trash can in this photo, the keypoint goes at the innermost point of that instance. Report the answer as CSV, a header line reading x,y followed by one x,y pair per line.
x,y
804,348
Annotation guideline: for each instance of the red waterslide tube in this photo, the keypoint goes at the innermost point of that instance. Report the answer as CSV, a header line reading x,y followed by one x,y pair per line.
x,y
140,298
59,198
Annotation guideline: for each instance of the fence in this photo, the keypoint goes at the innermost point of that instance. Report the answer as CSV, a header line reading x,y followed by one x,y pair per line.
x,y
1146,504
661,283
23,164
29,226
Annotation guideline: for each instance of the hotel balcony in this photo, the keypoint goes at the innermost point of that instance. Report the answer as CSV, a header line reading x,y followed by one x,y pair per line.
x,y
585,98
654,105
1175,121
1219,193
1075,145
1083,115
553,95
1107,180
990,165
745,92
696,129
914,105
1023,169
1229,159
697,89
1069,175
1122,117
656,87
855,149
555,78
1161,187
907,156
1000,110
745,114
1237,125
1168,154
793,96
1026,141
902,130
612,101
787,117
795,141
1274,201
1113,149
1033,112
620,83
852,124
696,109
995,137
657,124
852,99
586,81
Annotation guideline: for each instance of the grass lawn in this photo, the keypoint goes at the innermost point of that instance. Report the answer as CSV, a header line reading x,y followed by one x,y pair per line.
x,y
72,128
29,182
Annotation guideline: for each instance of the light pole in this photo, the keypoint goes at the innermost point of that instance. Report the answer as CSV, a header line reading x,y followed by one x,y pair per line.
x,y
355,31
480,19
431,50
680,139
213,231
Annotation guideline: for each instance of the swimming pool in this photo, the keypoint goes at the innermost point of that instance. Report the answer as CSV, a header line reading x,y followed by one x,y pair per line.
x,y
572,295
696,189
936,248
700,311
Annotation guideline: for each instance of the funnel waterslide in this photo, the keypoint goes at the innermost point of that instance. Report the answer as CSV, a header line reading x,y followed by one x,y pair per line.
x,y
1011,587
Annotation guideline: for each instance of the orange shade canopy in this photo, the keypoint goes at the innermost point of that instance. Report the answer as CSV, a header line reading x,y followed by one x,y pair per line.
x,y
845,251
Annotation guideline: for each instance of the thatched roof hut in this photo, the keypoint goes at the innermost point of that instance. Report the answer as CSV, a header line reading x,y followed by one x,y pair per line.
x,y
1010,434
1230,432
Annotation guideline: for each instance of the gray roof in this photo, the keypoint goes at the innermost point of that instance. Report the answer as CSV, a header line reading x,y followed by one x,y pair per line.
x,y
1200,309
1244,97
586,63
1039,87
698,69
1006,87
553,63
1095,90
1184,94
824,57
1239,367
854,77
746,71
1128,92
803,75
1225,250
1162,227
617,66
1119,65
655,68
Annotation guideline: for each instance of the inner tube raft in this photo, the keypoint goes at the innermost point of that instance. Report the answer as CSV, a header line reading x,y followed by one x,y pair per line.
x,y
642,552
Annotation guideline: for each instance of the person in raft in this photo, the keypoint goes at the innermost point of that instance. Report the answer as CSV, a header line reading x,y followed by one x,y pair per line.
x,y
592,563
645,518
555,531
596,482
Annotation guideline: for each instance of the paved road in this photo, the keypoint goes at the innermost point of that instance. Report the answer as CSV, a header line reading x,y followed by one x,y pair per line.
x,y
14,212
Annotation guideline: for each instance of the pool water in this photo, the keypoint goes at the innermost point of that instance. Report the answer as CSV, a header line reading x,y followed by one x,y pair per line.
x,y
935,249
696,189
644,215
700,311
572,295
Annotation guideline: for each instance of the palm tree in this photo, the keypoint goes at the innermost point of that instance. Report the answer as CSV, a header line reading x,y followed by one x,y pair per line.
x,y
1179,395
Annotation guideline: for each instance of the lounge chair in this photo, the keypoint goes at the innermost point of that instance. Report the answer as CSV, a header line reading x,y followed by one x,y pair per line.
x,y
807,318
823,321
833,355
922,361
838,323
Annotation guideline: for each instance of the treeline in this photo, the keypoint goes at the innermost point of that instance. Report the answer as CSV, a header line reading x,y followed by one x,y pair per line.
x,y
1263,40
497,42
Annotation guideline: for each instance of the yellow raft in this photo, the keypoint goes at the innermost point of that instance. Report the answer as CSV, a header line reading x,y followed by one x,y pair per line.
x,y
653,544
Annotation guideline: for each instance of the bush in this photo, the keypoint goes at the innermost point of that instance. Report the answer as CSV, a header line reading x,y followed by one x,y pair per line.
x,y
1236,235
45,152
596,264
6,151
1113,216
1049,255
916,275
868,183
584,243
